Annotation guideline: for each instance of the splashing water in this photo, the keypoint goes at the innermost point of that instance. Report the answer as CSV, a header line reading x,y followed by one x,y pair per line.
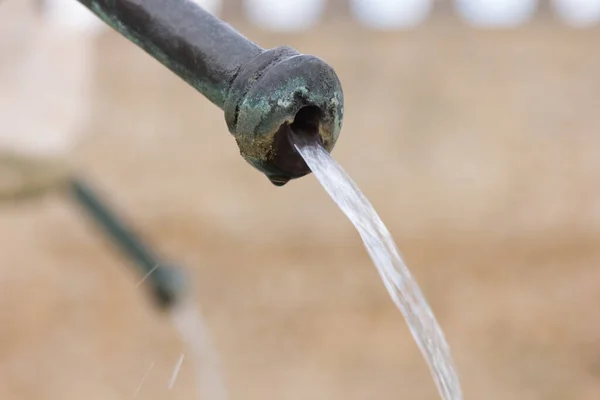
x,y
143,379
383,251
190,325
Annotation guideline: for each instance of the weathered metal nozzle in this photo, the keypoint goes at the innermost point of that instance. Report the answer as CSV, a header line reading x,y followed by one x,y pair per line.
x,y
277,92
265,94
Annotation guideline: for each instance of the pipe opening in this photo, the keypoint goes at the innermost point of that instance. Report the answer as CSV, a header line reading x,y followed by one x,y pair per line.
x,y
306,122
286,158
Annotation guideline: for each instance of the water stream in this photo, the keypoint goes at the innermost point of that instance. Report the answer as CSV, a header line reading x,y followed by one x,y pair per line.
x,y
189,323
396,277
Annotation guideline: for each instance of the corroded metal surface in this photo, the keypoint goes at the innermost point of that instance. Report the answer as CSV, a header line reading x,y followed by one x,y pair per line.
x,y
262,92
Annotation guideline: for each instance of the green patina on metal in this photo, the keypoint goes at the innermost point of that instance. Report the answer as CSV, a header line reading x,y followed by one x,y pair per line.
x,y
262,92
216,93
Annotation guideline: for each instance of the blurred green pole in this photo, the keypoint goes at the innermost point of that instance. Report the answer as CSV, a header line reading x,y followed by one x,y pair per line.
x,y
166,282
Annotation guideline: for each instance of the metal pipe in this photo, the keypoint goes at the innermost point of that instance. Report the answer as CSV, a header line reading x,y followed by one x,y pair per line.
x,y
166,281
191,42
265,94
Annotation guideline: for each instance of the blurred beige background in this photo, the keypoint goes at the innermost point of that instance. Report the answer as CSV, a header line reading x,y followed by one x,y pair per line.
x,y
480,150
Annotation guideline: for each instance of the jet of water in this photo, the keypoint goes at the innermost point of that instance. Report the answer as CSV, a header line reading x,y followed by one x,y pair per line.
x,y
383,251
190,324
